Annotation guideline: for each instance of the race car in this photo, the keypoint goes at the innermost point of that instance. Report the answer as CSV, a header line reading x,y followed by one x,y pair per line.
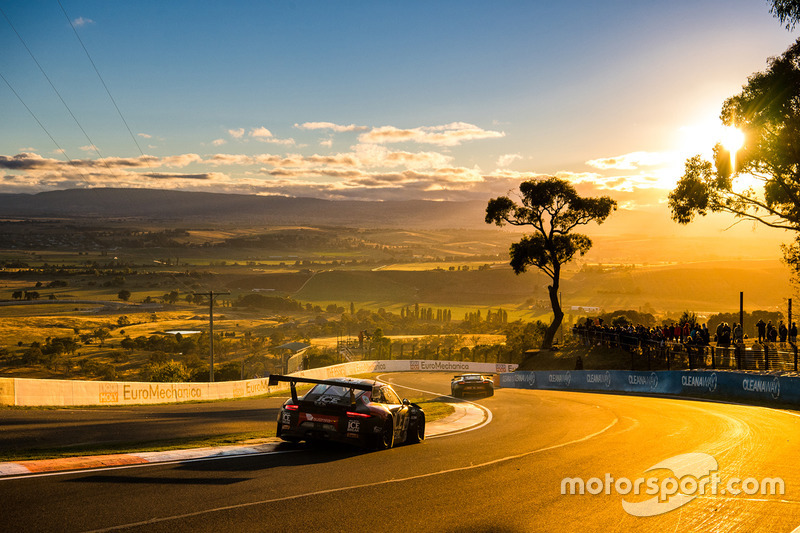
x,y
471,384
356,411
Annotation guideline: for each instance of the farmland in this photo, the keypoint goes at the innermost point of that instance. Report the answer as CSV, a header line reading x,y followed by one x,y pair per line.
x,y
82,297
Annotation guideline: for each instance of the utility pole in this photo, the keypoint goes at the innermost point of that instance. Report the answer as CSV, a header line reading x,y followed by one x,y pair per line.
x,y
741,311
211,295
561,326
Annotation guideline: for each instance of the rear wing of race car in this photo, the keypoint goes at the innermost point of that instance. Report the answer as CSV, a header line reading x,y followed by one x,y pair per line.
x,y
274,379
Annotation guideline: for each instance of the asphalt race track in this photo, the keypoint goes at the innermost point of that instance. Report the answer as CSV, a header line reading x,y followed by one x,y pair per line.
x,y
505,476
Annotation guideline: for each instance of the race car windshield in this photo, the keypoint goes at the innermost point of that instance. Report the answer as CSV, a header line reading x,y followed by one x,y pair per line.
x,y
333,390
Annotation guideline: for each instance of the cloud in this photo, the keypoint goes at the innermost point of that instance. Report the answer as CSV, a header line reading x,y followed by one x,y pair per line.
x,y
264,135
80,21
231,159
363,156
34,162
69,177
451,134
513,175
260,132
373,155
329,126
448,175
328,143
88,148
632,161
180,160
273,140
315,172
24,161
145,135
179,176
370,170
621,183
505,160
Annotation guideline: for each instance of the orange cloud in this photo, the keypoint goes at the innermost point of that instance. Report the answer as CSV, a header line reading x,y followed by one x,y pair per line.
x,y
447,135
632,161
329,126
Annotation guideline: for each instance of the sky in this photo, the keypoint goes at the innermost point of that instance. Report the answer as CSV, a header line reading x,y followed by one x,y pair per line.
x,y
450,100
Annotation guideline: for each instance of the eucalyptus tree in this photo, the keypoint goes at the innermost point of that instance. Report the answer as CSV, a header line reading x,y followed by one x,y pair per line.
x,y
552,208
759,181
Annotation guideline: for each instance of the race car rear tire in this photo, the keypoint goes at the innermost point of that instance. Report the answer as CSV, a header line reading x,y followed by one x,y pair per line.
x,y
385,440
416,433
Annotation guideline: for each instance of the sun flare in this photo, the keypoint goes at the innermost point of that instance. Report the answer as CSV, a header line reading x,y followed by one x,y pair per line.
x,y
701,138
732,139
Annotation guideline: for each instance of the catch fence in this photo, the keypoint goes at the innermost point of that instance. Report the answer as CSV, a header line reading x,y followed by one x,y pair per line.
x,y
652,354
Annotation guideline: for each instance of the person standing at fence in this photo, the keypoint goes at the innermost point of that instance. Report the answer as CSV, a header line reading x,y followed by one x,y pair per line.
x,y
718,336
783,332
793,333
726,335
761,327
772,333
738,334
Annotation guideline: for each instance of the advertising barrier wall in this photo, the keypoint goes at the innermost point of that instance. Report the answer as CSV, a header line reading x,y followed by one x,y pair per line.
x,y
57,392
722,385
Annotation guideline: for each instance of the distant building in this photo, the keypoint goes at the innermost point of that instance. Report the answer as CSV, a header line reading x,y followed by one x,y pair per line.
x,y
584,309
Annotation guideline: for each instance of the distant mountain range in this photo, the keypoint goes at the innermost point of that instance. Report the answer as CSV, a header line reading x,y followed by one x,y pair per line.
x,y
165,205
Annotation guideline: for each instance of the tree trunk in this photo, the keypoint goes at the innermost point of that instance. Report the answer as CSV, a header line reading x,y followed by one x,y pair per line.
x,y
558,316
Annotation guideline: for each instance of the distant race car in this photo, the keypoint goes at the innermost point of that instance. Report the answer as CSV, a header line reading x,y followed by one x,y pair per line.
x,y
356,411
471,384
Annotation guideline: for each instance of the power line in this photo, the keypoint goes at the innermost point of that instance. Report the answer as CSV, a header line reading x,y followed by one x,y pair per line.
x,y
101,79
41,69
114,102
73,162
39,122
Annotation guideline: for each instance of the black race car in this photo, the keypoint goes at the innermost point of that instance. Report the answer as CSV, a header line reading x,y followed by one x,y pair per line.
x,y
357,411
471,384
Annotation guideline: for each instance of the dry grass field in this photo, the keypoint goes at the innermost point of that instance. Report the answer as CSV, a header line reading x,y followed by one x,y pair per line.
x,y
461,271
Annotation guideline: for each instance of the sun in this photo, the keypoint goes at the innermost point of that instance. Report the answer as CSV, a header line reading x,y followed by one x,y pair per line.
x,y
732,139
700,138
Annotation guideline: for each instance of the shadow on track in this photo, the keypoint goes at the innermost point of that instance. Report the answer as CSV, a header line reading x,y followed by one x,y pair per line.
x,y
184,473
